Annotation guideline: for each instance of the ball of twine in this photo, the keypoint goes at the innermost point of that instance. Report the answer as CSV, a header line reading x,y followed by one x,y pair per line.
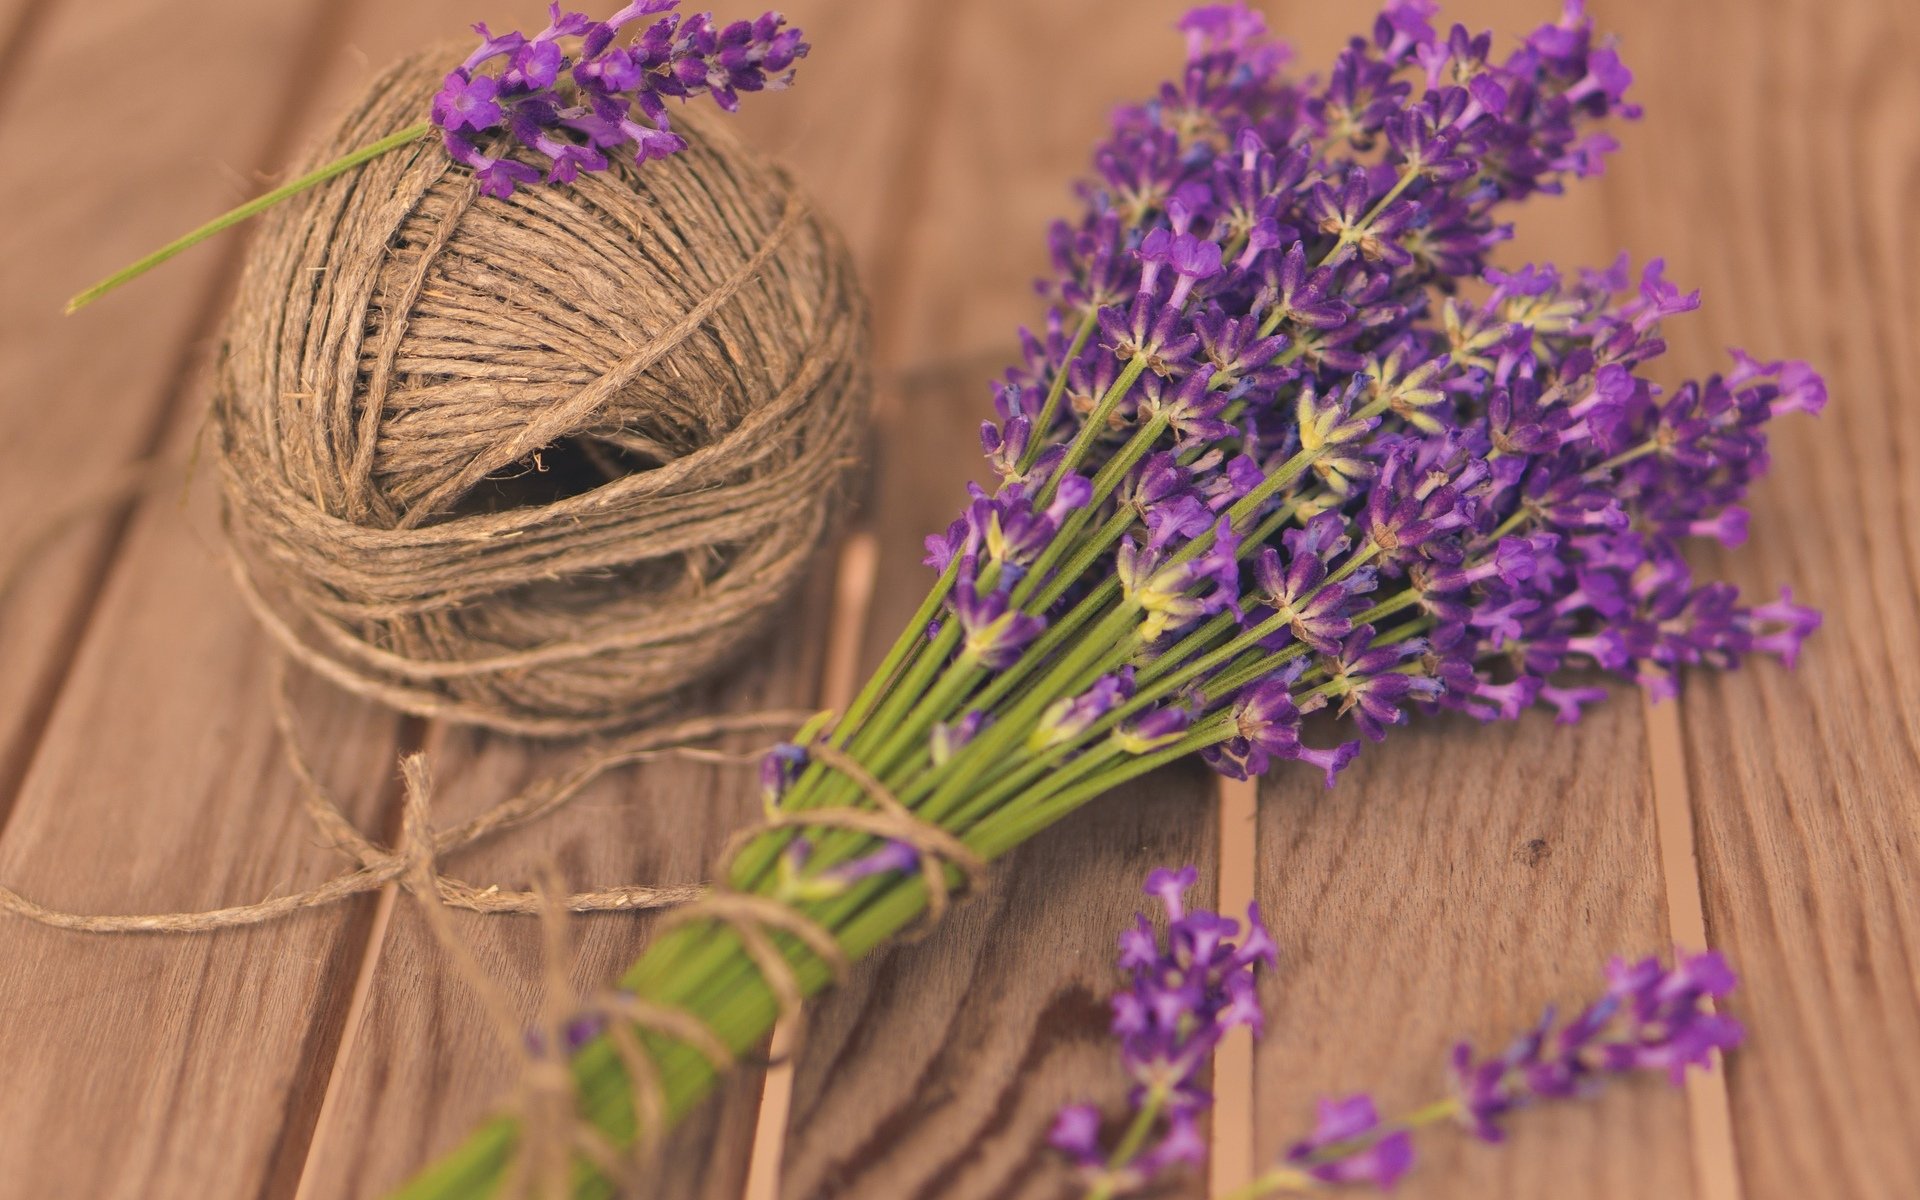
x,y
535,464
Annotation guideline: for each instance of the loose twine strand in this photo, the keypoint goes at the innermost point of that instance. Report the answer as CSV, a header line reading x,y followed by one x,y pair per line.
x,y
545,1101
552,1130
373,866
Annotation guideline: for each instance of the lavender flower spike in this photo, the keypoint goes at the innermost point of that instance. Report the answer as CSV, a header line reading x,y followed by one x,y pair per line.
x,y
571,111
1185,991
1651,1018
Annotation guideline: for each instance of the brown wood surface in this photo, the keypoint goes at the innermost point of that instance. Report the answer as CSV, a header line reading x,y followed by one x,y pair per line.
x,y
1461,877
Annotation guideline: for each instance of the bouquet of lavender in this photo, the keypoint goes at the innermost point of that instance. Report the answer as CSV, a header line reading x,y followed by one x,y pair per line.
x,y
1285,442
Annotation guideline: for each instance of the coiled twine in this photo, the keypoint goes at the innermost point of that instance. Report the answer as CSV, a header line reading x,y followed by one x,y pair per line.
x,y
536,464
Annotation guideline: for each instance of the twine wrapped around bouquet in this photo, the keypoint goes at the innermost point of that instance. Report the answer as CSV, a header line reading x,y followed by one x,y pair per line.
x,y
534,464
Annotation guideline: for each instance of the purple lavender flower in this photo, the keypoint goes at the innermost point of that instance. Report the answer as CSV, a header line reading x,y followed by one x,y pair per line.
x,y
994,633
1067,718
892,857
778,770
802,878
1348,1146
1651,1018
948,738
1262,412
572,111
1185,990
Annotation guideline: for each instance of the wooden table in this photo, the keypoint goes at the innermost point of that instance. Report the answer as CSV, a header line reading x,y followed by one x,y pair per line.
x,y
1459,879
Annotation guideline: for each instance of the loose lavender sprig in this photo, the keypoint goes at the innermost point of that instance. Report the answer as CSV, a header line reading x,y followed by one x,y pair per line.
x,y
1650,1019
575,110
572,109
1185,991
1286,441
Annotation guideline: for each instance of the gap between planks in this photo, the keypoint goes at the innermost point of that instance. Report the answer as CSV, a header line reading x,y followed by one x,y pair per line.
x,y
1716,1171
1230,1158
853,588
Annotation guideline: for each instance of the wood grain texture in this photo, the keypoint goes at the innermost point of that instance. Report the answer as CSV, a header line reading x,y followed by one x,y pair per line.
x,y
1461,877
1793,165
135,704
74,416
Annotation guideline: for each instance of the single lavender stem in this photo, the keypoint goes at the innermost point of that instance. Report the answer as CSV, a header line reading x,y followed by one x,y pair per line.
x,y
251,208
1044,421
1096,420
1132,1141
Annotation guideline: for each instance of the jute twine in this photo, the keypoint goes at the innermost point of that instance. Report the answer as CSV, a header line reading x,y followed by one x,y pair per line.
x,y
537,465
534,464
552,1129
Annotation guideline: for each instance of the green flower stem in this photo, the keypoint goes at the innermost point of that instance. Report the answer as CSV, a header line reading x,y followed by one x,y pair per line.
x,y
254,207
1292,1180
1094,425
961,676
1650,446
1069,533
1083,662
818,787
1009,828
1051,406
1131,1141
911,639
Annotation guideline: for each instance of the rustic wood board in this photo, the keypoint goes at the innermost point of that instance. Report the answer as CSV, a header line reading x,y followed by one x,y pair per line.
x,y
141,772
1463,877
1806,785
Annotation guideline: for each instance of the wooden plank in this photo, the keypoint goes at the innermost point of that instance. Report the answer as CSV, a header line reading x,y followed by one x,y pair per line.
x,y
75,415
1462,877
152,1067
1459,879
1013,126
1796,217
20,25
426,1064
